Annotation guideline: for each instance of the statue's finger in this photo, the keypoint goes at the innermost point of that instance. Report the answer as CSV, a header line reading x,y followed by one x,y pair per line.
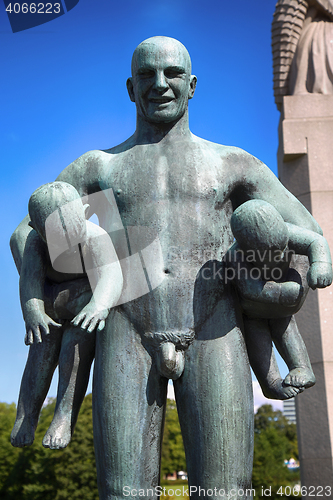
x,y
86,322
37,335
77,320
29,339
101,325
54,323
44,328
92,326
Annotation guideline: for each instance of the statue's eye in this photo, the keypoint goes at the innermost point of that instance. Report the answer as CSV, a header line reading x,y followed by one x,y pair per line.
x,y
174,72
146,73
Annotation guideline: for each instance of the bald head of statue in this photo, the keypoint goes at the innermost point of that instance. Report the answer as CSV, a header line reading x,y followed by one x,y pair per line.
x,y
161,82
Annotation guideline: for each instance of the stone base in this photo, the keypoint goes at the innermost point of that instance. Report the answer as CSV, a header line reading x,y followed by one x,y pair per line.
x,y
305,163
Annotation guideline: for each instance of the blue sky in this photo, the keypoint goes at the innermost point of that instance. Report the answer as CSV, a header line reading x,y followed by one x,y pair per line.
x,y
63,93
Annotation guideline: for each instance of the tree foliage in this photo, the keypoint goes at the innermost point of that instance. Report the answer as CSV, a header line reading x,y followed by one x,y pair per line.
x,y
42,474
275,440
8,454
173,454
36,473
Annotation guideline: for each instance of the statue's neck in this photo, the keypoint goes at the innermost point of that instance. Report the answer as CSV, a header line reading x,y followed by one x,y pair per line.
x,y
150,132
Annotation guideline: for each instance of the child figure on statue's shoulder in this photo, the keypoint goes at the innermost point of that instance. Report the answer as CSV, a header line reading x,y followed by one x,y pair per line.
x,y
260,266
70,279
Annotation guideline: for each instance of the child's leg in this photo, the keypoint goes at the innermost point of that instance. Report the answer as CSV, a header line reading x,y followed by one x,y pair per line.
x,y
41,363
290,345
76,356
262,359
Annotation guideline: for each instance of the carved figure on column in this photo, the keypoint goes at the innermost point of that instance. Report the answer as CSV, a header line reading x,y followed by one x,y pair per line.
x,y
302,45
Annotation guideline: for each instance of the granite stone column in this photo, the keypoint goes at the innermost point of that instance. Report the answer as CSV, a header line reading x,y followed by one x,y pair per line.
x,y
305,163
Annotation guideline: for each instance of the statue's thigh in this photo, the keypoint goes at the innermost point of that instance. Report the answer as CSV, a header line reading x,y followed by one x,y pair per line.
x,y
215,405
128,404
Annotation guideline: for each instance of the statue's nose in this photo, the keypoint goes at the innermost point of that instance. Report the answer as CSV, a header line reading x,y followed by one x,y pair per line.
x,y
160,81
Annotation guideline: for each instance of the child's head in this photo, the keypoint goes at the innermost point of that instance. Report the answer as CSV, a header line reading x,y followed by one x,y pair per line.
x,y
58,214
258,226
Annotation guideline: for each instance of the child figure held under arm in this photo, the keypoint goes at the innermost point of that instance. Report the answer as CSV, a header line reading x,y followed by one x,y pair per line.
x,y
61,252
271,291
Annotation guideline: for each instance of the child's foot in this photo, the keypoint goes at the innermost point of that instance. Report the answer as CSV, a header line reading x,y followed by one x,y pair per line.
x,y
277,390
300,377
59,434
23,433
289,391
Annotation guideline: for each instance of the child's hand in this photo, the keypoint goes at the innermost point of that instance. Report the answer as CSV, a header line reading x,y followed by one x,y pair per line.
x,y
320,275
36,323
90,317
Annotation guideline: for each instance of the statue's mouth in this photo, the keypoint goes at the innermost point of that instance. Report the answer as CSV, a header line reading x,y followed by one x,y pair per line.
x,y
161,100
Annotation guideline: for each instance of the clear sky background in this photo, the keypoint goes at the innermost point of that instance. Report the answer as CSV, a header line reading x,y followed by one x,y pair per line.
x,y
63,92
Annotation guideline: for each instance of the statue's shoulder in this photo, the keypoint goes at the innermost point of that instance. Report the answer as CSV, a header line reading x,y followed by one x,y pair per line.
x,y
226,153
99,157
85,171
120,148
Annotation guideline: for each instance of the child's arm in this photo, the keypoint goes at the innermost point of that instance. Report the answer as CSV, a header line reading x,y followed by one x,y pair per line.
x,y
105,276
306,242
32,280
257,290
287,293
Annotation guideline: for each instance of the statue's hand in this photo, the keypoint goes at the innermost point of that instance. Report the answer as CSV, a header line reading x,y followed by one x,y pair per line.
x,y
91,317
36,323
320,275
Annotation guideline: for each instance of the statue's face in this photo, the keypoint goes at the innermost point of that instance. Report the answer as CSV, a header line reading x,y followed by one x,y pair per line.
x,y
162,83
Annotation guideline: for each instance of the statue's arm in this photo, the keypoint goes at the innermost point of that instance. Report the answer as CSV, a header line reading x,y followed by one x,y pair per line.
x,y
18,241
32,279
105,277
306,242
33,270
287,293
252,179
83,174
315,246
105,270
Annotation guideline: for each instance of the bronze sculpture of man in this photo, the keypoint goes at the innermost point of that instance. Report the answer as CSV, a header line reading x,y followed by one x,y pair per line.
x,y
185,188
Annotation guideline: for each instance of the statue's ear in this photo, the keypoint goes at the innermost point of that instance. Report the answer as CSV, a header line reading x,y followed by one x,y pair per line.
x,y
193,84
130,89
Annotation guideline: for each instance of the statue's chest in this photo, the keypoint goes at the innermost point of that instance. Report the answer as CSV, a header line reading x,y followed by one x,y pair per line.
x,y
156,175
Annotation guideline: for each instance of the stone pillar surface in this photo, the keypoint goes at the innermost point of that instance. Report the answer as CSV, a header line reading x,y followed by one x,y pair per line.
x,y
305,163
